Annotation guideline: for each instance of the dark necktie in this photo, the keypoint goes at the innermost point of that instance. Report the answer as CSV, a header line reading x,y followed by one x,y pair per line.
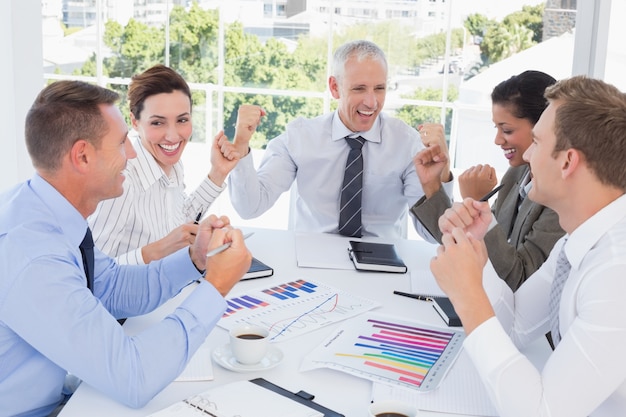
x,y
560,276
351,190
86,249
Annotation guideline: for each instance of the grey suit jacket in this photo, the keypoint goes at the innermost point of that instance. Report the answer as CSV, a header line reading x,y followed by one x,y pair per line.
x,y
520,242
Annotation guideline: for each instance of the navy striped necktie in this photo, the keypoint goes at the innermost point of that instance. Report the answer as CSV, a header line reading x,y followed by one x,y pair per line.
x,y
351,190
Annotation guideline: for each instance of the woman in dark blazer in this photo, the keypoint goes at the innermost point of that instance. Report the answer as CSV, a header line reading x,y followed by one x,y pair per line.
x,y
525,231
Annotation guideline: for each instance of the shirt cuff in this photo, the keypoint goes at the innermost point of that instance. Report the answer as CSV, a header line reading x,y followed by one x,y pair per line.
x,y
212,186
208,191
205,305
180,269
449,187
245,167
493,223
489,347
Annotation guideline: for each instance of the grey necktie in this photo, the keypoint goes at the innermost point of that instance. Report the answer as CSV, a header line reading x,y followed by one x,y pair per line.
x,y
560,276
351,190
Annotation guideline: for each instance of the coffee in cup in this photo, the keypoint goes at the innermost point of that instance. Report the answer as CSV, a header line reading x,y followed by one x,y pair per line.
x,y
249,343
392,408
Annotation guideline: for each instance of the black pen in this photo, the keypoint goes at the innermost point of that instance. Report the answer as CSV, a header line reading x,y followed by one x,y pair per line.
x,y
198,217
490,194
416,296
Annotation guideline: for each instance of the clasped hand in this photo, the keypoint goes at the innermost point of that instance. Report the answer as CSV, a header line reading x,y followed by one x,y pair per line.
x,y
470,215
225,269
432,163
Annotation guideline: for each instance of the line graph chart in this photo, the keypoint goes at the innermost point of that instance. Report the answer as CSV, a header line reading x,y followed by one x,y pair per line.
x,y
293,308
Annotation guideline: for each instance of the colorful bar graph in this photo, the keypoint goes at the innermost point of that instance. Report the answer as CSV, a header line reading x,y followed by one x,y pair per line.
x,y
283,292
393,351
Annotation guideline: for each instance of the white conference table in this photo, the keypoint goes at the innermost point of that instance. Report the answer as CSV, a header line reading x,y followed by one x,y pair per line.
x,y
337,390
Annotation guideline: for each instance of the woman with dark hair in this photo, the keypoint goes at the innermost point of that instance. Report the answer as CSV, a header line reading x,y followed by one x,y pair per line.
x,y
155,217
524,232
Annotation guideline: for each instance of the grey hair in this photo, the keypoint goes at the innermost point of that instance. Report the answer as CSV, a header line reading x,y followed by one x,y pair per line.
x,y
361,50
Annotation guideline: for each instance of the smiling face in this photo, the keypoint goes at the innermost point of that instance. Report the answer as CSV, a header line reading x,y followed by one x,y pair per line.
x,y
165,127
546,164
514,135
361,92
112,153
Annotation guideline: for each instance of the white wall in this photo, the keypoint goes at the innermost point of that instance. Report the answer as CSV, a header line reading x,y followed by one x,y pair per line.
x,y
21,78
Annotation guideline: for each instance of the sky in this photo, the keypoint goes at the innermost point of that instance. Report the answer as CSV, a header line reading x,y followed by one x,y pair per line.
x,y
494,9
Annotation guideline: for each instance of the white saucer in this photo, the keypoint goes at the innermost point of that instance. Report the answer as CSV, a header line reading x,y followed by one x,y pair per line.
x,y
224,356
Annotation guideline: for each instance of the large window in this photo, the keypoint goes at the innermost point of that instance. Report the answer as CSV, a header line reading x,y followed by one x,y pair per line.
x,y
275,53
237,53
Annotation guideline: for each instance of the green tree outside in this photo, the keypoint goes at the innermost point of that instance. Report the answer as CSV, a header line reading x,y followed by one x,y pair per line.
x,y
251,63
518,31
416,115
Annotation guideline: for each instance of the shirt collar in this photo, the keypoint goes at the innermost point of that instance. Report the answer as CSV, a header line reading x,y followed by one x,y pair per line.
x,y
74,225
587,235
150,171
340,131
525,184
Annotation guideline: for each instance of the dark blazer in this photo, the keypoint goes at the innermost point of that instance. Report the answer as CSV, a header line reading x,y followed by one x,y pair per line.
x,y
520,242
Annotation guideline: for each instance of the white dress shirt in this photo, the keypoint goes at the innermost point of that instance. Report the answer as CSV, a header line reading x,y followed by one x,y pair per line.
x,y
586,374
151,206
313,152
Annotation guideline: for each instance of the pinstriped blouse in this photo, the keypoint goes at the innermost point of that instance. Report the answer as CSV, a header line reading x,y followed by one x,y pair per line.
x,y
151,206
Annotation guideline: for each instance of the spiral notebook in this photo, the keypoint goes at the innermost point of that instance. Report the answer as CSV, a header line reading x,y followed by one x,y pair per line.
x,y
263,399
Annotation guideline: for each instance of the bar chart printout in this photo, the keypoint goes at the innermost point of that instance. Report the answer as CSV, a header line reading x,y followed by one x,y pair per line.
x,y
293,308
389,350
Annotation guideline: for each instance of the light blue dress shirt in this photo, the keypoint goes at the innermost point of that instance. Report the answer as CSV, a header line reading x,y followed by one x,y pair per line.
x,y
52,325
313,152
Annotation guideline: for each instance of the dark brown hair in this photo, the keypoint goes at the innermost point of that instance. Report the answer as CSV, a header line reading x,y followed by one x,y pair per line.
x,y
155,80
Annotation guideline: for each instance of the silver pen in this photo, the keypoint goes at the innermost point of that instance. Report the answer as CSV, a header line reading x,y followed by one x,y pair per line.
x,y
225,246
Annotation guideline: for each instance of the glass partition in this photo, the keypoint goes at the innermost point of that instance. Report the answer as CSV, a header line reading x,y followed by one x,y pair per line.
x,y
444,56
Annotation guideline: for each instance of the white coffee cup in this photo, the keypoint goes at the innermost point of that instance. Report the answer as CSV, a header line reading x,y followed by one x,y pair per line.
x,y
249,343
392,408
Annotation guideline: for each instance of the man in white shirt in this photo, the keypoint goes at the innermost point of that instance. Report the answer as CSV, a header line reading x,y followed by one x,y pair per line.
x,y
313,153
577,162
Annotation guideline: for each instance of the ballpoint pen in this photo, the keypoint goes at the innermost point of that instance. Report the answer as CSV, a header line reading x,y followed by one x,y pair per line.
x,y
225,246
490,194
198,217
416,296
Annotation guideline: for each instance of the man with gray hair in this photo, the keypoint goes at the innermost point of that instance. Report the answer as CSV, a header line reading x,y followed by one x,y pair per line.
x,y
373,195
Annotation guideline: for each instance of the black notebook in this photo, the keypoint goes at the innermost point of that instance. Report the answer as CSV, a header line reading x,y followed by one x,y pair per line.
x,y
258,270
445,309
372,256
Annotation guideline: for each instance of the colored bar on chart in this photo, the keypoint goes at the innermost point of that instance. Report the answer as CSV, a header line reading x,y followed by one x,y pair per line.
x,y
275,294
256,301
403,353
